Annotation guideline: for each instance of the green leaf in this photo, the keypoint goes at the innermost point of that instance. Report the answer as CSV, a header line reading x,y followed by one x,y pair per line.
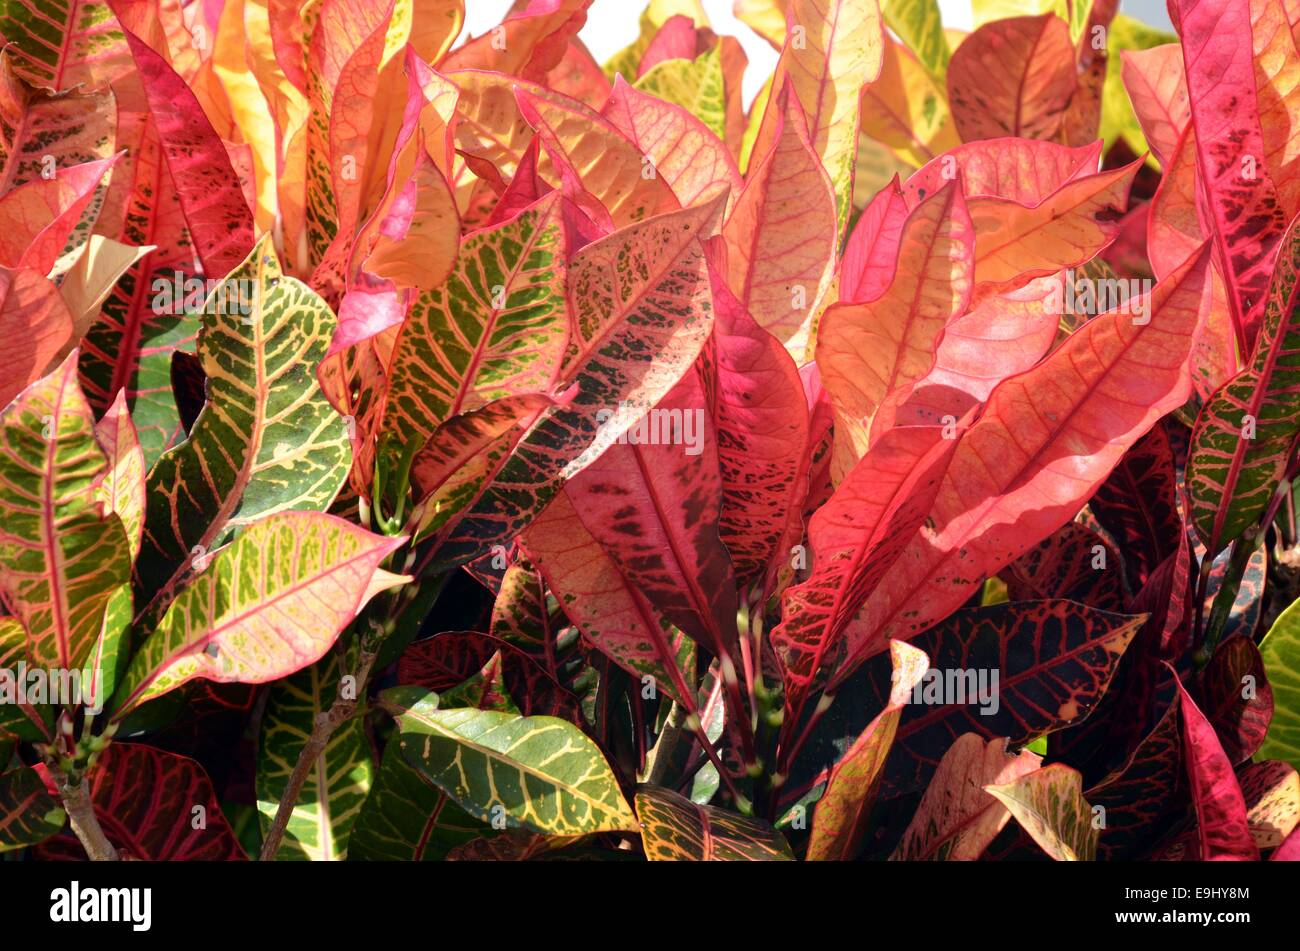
x,y
537,773
1280,650
61,555
495,328
696,85
266,606
407,818
1244,434
28,813
919,24
267,440
337,786
674,829
27,721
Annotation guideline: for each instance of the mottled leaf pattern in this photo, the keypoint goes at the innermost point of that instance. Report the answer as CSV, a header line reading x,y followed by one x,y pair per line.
x,y
267,441
494,329
538,773
1245,433
62,556
674,829
154,806
28,813
957,819
321,823
1049,805
268,604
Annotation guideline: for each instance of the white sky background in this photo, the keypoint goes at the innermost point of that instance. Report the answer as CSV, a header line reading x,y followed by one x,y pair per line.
x,y
612,25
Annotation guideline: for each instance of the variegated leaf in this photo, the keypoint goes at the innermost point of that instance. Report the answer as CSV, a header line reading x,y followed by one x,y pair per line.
x,y
682,149
60,44
321,823
780,235
408,818
28,813
61,555
1049,805
956,819
496,328
1244,436
840,822
267,441
265,606
640,311
674,829
868,351
536,773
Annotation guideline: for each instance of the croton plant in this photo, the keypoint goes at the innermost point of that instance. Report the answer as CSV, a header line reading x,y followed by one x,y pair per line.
x,y
428,446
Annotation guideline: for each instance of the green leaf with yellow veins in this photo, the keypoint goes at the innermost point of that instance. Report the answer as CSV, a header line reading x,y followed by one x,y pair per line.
x,y
537,773
496,328
61,554
266,441
674,829
1049,805
321,824
696,85
265,606
407,818
1280,650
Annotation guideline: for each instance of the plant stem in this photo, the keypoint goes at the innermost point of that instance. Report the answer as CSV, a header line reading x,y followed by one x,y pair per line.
x,y
81,815
340,711
661,756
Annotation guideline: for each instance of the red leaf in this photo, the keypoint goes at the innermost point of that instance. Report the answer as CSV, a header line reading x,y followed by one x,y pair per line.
x,y
220,221
683,150
855,536
448,659
760,418
612,614
1013,77
1156,87
1247,217
145,801
1147,786
1222,827
1025,171
1068,565
1046,441
1237,698
654,505
37,220
34,326
1138,506
527,44
871,253
676,39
